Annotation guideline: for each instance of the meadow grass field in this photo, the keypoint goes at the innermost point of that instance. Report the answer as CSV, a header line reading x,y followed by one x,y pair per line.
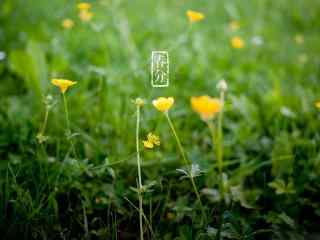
x,y
229,150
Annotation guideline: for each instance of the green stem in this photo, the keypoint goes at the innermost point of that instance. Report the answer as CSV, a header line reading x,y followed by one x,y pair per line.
x,y
177,139
217,142
68,125
66,111
187,162
220,135
43,128
139,173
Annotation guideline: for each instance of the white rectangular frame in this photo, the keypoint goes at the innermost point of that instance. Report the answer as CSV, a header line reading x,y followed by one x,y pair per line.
x,y
168,69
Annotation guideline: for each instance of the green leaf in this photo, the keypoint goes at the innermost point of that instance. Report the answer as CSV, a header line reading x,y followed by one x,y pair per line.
x,y
37,54
281,187
282,156
30,64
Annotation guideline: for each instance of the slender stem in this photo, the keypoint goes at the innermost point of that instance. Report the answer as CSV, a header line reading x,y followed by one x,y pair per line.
x,y
43,128
68,124
177,139
139,172
220,135
66,111
217,140
216,146
212,132
187,162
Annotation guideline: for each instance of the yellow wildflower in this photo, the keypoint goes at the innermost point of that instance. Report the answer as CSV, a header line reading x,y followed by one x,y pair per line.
x,y
85,15
299,39
195,16
147,144
67,23
84,6
237,42
206,106
63,84
234,25
152,140
317,104
163,104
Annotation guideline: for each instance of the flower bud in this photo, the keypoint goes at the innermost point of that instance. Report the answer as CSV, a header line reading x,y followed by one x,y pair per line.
x,y
139,102
222,86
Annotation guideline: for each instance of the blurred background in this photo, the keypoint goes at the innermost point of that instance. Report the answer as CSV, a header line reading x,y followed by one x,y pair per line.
x,y
266,50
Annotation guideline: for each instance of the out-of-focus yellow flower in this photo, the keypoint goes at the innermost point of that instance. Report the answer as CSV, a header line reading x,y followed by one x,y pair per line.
x,y
234,25
151,141
67,23
299,39
84,6
85,15
195,16
237,42
317,104
163,104
63,84
206,106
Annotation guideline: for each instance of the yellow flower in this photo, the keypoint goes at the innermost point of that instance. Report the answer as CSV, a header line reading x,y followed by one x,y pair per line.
x,y
67,23
299,39
85,15
147,144
84,6
163,104
234,25
317,104
206,106
152,140
63,84
237,42
195,16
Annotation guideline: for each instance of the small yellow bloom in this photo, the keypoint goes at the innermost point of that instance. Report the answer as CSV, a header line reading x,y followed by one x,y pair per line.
x,y
206,106
84,6
152,140
234,25
299,39
63,84
317,104
163,104
237,42
85,15
195,16
148,144
67,23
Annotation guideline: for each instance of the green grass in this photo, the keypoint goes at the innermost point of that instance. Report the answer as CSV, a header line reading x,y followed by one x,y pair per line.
x,y
271,126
